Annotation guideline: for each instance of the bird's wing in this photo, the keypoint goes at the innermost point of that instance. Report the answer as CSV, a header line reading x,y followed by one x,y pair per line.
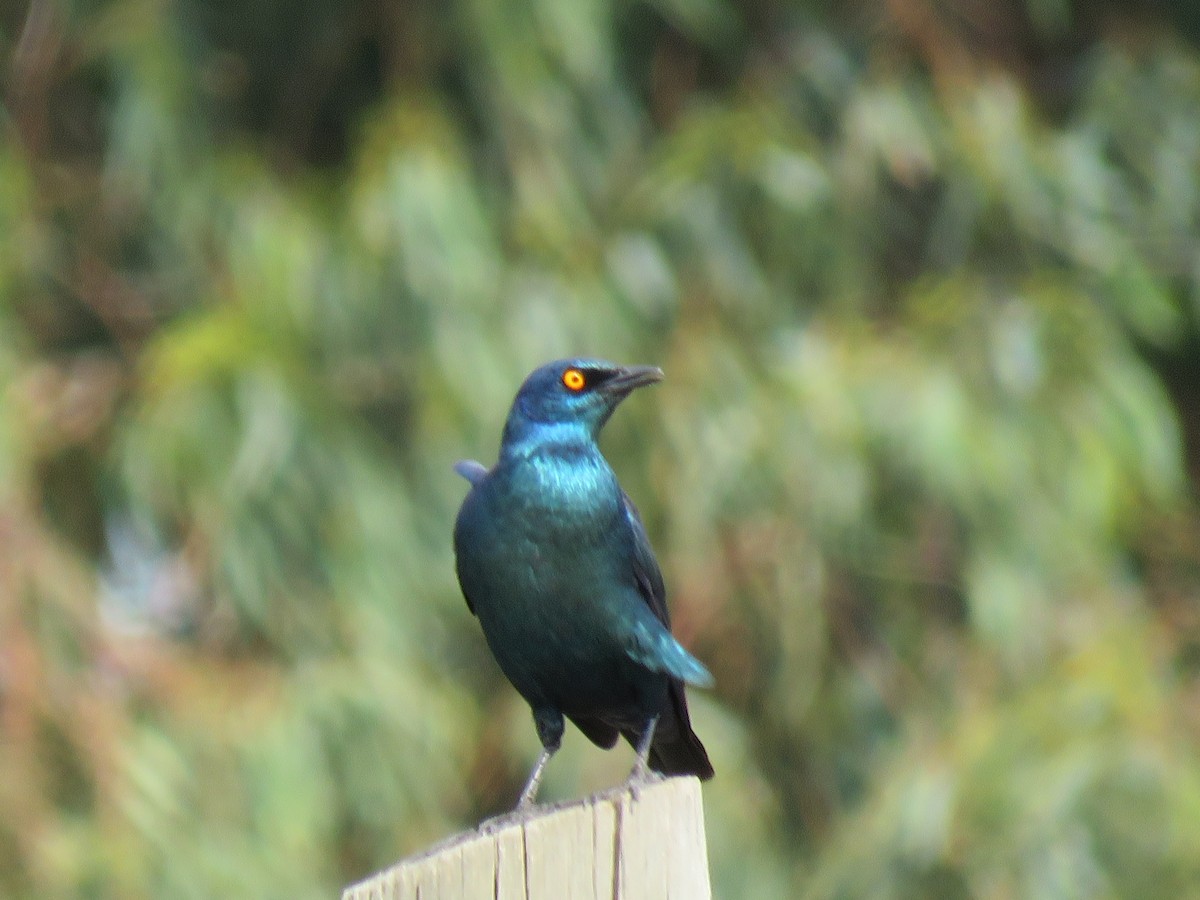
x,y
645,566
474,472
471,470
651,643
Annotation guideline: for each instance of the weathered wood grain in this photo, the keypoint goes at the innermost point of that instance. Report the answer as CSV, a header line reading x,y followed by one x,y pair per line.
x,y
644,844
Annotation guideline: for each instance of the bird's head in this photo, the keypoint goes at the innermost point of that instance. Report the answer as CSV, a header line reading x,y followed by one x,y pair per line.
x,y
573,395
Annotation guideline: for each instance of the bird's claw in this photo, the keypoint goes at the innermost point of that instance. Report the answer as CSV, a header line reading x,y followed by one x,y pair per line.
x,y
642,776
496,824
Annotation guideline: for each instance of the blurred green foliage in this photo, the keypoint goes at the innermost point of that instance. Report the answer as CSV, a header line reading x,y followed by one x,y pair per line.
x,y
925,282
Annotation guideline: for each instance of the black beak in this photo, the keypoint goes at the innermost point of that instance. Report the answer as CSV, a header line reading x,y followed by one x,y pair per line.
x,y
628,378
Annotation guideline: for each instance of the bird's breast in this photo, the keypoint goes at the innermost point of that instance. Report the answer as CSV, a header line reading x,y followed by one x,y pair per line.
x,y
542,554
548,526
572,492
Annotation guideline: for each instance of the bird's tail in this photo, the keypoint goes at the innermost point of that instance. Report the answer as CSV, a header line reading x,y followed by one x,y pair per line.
x,y
676,750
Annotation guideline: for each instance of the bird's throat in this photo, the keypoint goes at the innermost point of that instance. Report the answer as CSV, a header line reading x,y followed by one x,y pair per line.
x,y
570,486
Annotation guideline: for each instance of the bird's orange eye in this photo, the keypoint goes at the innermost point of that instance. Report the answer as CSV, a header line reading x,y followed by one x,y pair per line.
x,y
573,380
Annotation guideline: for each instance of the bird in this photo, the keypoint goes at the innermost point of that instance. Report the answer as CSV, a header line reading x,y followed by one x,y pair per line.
x,y
554,560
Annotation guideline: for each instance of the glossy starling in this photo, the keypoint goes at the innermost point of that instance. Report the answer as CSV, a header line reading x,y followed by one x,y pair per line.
x,y
553,558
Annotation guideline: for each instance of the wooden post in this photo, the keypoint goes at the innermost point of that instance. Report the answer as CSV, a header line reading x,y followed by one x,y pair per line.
x,y
646,844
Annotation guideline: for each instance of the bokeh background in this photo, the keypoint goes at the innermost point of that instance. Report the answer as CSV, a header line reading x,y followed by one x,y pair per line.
x,y
924,276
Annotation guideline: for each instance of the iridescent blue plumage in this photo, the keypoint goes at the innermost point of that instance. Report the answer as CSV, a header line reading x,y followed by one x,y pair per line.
x,y
554,560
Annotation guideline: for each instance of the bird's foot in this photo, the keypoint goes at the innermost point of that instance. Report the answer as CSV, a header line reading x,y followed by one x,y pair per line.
x,y
518,816
642,776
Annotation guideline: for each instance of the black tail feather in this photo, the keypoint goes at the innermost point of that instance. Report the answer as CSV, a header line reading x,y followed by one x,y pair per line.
x,y
676,750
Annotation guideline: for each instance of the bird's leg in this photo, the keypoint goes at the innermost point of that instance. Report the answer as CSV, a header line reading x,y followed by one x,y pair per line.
x,y
641,769
529,794
525,805
549,724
